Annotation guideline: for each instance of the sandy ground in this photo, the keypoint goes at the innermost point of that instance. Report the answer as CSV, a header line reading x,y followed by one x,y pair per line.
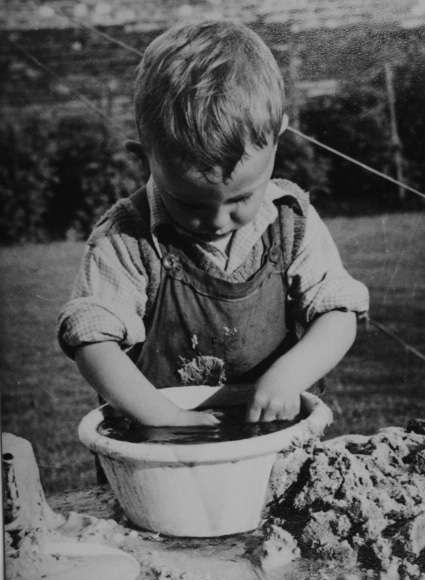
x,y
352,507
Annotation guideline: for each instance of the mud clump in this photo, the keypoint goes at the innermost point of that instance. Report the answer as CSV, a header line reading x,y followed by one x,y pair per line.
x,y
278,548
202,370
360,501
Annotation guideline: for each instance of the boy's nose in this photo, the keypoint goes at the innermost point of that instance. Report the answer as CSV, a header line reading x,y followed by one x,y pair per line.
x,y
220,219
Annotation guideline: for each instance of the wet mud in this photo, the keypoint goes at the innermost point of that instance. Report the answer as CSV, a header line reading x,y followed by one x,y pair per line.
x,y
357,501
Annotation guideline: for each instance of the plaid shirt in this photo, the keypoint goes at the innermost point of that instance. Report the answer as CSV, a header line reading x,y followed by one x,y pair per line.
x,y
110,293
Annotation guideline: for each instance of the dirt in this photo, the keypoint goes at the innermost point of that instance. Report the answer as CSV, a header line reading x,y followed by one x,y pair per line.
x,y
357,501
202,370
352,507
26,560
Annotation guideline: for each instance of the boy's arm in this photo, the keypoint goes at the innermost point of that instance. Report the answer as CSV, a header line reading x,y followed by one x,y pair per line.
x,y
277,392
117,379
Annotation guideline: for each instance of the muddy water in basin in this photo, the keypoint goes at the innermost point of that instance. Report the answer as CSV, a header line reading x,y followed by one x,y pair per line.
x,y
232,427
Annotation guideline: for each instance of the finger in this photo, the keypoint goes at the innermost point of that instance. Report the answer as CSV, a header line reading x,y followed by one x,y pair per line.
x,y
289,411
254,413
269,414
219,414
209,418
285,415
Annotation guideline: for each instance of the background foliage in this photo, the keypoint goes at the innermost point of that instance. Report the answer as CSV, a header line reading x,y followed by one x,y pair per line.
x,y
57,178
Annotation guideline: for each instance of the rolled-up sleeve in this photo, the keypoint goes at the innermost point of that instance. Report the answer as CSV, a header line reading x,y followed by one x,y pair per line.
x,y
108,300
317,280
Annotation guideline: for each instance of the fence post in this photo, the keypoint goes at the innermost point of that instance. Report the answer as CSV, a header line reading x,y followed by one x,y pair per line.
x,y
395,139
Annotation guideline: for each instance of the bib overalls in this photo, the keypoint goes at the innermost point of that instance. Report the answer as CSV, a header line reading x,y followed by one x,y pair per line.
x,y
244,324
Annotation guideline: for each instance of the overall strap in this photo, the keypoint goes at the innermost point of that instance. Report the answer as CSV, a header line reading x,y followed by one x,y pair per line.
x,y
149,256
292,219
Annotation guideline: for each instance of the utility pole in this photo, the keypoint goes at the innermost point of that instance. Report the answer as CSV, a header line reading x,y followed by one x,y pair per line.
x,y
395,139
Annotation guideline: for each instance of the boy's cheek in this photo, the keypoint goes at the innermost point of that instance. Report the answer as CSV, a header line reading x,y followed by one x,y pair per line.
x,y
247,216
185,221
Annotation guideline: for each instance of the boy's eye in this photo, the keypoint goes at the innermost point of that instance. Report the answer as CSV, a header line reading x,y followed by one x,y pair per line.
x,y
241,199
190,206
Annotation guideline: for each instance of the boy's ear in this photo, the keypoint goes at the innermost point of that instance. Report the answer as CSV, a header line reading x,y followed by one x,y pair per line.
x,y
135,148
285,123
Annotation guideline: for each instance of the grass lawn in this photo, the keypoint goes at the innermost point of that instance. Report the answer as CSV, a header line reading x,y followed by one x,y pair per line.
x,y
378,383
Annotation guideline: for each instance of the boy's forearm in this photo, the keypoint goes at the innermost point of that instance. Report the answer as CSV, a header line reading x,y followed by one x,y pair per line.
x,y
114,376
323,345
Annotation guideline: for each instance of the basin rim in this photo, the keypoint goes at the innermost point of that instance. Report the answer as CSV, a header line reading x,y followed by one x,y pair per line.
x,y
319,416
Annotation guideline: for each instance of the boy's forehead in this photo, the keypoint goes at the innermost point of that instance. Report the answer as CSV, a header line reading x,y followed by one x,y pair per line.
x,y
214,176
187,183
247,170
178,168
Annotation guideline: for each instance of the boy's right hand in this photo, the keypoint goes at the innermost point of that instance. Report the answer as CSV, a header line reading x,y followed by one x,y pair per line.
x,y
192,418
117,379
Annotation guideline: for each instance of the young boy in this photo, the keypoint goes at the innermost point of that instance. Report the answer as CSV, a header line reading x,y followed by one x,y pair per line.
x,y
205,271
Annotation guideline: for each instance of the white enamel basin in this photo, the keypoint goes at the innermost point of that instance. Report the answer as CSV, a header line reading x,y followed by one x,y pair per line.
x,y
197,490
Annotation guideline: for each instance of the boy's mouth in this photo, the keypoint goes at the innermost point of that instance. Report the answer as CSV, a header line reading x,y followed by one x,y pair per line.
x,y
211,237
205,236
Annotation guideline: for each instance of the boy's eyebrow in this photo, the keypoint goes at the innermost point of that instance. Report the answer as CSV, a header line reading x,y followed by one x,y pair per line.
x,y
236,198
240,196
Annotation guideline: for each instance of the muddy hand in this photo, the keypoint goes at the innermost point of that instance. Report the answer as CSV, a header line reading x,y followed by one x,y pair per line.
x,y
203,418
271,403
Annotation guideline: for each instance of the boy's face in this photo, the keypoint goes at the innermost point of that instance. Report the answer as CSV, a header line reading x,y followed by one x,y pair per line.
x,y
206,207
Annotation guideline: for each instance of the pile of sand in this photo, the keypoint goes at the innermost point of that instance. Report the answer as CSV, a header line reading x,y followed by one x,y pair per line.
x,y
357,500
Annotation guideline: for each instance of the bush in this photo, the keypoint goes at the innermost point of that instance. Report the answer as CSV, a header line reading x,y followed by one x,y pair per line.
x,y
92,173
27,180
357,123
57,178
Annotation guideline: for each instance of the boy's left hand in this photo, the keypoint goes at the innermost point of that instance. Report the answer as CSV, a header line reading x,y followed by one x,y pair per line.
x,y
276,394
273,400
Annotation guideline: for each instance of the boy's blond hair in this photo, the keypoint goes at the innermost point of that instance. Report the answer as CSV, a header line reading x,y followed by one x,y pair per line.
x,y
204,92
